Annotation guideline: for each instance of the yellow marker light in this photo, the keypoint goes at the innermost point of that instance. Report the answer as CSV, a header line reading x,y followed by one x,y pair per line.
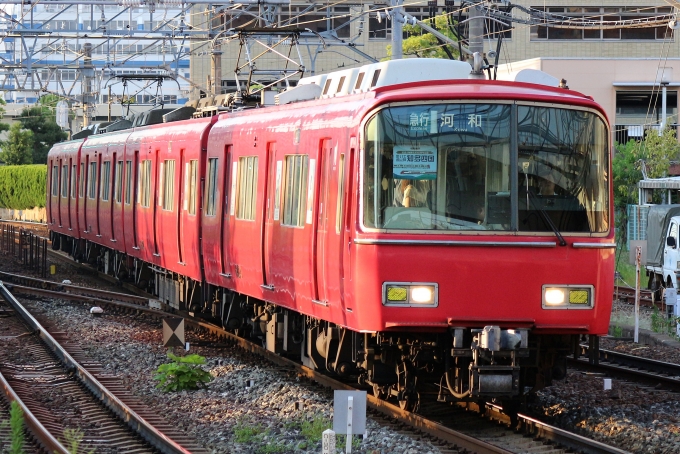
x,y
422,294
578,297
554,296
396,294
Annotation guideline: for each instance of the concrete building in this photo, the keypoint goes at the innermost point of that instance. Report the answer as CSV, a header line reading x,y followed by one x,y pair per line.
x,y
620,62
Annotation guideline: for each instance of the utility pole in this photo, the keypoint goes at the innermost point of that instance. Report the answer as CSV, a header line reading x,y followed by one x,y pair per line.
x,y
397,29
216,27
476,43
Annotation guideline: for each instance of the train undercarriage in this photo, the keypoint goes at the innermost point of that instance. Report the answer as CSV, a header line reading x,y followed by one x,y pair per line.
x,y
470,364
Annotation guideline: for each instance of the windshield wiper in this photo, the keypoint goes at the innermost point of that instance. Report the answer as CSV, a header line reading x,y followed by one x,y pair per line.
x,y
546,218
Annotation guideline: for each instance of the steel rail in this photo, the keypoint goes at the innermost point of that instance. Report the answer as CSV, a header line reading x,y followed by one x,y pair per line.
x,y
41,434
72,289
129,416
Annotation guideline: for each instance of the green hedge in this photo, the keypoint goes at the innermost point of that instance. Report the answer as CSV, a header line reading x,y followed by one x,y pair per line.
x,y
23,187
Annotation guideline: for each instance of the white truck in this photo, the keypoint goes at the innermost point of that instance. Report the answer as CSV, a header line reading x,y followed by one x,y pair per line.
x,y
663,247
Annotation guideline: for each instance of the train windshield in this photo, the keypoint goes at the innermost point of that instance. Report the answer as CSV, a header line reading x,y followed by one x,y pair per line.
x,y
486,167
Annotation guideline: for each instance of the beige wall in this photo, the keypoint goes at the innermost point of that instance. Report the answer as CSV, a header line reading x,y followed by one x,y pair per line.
x,y
601,78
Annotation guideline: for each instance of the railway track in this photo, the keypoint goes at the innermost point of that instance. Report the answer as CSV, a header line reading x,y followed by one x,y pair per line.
x,y
452,427
659,374
61,389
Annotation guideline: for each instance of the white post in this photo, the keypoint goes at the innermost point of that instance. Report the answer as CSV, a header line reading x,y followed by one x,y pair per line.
x,y
663,106
637,293
348,445
328,442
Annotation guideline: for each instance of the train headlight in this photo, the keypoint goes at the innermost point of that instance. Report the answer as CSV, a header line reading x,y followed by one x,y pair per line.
x,y
568,296
410,294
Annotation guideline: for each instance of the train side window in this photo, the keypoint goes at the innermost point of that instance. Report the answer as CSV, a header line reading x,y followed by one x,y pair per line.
x,y
92,179
106,180
144,195
211,189
64,180
247,188
341,194
295,190
128,182
117,191
55,180
191,180
73,181
82,180
169,185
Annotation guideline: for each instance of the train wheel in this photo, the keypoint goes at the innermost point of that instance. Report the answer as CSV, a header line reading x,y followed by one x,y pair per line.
x,y
408,397
380,392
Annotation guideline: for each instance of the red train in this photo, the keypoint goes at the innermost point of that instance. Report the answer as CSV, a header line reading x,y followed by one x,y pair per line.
x,y
399,224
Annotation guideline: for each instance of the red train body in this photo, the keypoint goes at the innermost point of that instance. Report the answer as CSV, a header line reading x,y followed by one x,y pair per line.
x,y
393,234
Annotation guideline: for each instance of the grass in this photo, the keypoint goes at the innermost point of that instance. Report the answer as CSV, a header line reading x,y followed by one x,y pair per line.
x,y
627,271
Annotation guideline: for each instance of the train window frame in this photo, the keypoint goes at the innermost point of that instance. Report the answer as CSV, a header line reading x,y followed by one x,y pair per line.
x,y
105,181
604,161
118,187
340,199
81,189
64,181
192,178
295,190
74,169
128,182
211,187
168,176
246,189
55,180
144,194
92,181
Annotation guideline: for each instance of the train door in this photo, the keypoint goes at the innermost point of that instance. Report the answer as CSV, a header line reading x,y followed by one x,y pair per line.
x,y
224,225
183,177
59,192
330,229
85,194
272,205
97,193
135,199
71,185
155,201
113,195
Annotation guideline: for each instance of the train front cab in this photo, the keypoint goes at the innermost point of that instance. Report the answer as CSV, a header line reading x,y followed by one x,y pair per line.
x,y
62,194
505,277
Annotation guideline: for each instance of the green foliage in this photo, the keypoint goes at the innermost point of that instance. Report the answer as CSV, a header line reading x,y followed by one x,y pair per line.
x,y
657,151
244,432
617,331
16,424
41,120
22,187
184,372
17,149
426,45
312,430
72,440
663,324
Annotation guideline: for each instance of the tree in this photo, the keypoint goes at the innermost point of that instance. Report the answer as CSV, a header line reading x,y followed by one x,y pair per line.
x,y
41,120
3,126
426,45
17,149
656,151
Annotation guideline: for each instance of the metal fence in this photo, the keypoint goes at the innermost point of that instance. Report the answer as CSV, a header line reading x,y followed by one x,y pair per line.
x,y
29,248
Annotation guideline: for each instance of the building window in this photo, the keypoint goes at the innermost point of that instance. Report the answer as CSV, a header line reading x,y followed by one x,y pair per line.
x,y
295,192
64,181
604,14
168,194
92,180
211,190
247,188
117,192
55,180
128,181
106,179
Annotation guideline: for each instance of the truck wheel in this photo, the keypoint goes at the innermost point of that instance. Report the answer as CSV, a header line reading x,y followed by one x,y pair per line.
x,y
656,287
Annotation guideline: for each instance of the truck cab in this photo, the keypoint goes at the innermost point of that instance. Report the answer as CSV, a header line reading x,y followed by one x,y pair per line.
x,y
663,246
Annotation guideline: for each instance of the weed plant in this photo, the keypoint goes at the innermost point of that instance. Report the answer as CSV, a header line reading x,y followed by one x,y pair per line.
x,y
184,372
